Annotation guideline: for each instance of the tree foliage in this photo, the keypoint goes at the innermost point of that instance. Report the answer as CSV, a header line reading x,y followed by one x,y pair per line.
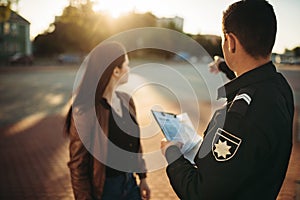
x,y
296,51
212,44
5,10
73,32
4,13
79,29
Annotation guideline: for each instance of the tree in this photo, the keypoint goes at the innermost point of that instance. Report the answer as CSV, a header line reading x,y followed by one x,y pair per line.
x,y
212,44
132,20
79,29
72,31
296,51
5,9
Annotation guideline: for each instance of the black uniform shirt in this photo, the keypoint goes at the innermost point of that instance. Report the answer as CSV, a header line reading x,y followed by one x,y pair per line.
x,y
247,144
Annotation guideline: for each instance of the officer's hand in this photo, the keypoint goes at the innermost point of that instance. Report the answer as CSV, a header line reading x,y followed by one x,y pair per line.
x,y
164,144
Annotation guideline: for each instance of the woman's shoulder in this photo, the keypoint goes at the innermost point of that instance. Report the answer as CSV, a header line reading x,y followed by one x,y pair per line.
x,y
127,101
124,96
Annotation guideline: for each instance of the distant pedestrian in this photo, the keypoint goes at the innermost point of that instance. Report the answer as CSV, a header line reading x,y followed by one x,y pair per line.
x,y
100,123
247,144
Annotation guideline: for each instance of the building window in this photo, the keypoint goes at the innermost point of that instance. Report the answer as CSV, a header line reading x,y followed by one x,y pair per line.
x,y
14,29
6,30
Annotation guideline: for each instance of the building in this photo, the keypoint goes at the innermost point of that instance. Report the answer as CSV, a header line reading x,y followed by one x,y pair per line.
x,y
14,34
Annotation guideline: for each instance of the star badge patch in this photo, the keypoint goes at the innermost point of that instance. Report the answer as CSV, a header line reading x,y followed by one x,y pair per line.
x,y
222,149
225,145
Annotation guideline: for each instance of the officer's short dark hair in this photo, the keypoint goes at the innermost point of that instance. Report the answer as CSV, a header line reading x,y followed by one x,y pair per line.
x,y
254,24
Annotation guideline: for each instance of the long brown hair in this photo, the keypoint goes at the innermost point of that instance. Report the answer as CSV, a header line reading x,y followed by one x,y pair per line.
x,y
98,61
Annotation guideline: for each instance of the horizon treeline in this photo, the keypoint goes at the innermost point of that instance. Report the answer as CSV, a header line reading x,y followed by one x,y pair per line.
x,y
79,29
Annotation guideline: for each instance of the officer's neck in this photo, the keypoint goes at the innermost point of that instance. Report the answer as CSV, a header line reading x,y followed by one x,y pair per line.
x,y
247,63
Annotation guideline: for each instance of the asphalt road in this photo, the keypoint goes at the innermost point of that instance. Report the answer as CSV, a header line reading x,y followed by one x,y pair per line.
x,y
46,90
31,91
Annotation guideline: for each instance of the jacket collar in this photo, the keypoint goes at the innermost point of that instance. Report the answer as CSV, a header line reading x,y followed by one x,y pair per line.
x,y
258,74
104,103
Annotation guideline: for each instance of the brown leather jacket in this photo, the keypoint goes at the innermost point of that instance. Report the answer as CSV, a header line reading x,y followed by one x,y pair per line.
x,y
87,173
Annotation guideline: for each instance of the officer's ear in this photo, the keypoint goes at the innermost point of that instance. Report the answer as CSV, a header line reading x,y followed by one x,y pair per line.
x,y
232,41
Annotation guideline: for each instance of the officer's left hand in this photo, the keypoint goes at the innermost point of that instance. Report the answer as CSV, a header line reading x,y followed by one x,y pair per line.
x,y
164,144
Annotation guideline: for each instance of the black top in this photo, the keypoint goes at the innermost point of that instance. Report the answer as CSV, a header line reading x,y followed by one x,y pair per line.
x,y
124,133
247,144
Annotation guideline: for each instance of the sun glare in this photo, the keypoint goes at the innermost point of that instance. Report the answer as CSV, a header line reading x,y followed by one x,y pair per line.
x,y
115,14
115,8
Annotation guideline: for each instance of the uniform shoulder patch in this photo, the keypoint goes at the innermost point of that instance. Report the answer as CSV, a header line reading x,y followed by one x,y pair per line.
x,y
243,96
225,145
242,101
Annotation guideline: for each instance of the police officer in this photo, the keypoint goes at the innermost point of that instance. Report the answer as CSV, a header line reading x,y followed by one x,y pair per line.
x,y
247,144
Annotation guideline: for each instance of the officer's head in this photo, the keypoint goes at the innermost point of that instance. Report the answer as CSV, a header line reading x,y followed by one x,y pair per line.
x,y
253,24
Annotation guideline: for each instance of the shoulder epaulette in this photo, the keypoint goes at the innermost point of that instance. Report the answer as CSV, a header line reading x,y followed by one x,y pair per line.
x,y
242,101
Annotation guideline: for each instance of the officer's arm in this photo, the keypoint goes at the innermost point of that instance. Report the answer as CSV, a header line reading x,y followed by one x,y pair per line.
x,y
213,179
224,179
219,181
182,174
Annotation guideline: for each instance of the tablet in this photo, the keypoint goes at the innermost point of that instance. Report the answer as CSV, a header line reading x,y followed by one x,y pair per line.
x,y
179,128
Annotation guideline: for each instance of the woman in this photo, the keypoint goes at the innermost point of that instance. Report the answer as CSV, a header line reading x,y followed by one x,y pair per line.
x,y
99,144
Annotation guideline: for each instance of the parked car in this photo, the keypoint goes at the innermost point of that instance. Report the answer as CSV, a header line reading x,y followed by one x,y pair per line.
x,y
69,59
20,59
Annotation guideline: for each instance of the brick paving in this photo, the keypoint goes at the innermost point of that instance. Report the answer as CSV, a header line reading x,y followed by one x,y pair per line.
x,y
33,165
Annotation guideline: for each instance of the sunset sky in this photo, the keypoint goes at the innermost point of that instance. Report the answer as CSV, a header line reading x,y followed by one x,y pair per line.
x,y
200,16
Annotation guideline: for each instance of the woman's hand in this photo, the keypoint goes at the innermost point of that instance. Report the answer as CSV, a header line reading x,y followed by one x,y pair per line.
x,y
144,189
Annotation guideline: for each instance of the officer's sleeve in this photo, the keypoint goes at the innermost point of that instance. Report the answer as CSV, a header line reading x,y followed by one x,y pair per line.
x,y
213,180
182,174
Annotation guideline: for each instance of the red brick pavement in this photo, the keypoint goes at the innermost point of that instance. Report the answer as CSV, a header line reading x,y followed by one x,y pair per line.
x,y
33,165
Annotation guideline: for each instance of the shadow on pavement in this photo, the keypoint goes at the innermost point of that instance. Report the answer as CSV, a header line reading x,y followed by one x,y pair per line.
x,y
33,161
33,165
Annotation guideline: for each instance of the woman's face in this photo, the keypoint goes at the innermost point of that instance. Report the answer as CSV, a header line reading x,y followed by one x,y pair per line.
x,y
124,71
